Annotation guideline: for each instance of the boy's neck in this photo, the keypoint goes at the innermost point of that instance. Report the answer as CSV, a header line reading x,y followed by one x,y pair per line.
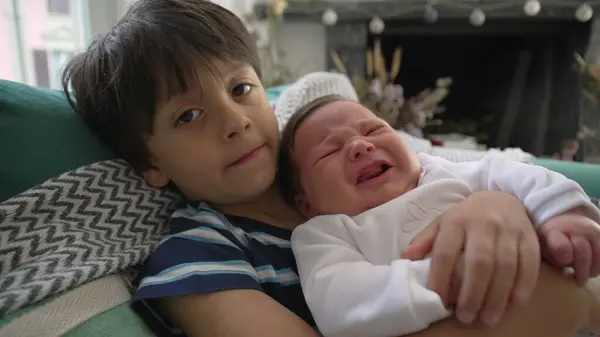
x,y
269,208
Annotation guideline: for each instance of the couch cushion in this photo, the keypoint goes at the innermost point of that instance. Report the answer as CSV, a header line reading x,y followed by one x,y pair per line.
x,y
585,174
40,137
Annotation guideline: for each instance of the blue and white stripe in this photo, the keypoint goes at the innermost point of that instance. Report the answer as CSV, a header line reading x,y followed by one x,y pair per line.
x,y
262,274
201,234
185,270
267,239
285,277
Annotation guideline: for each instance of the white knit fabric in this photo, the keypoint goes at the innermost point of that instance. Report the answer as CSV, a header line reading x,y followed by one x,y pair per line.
x,y
309,88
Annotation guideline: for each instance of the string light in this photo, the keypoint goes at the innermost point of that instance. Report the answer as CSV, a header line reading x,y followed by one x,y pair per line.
x,y
584,13
431,14
329,17
532,7
376,26
477,17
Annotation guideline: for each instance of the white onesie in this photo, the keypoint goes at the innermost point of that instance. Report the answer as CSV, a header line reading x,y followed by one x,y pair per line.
x,y
352,276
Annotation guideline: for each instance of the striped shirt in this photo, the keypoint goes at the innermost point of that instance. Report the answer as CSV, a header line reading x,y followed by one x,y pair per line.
x,y
207,251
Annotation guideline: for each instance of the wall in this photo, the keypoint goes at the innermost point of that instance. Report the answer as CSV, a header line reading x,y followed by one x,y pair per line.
x,y
303,43
103,15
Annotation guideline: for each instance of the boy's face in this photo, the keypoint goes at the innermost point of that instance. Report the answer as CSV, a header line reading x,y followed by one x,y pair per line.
x,y
350,161
217,143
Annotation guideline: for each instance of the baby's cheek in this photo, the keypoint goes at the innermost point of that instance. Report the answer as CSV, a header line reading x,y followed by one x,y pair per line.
x,y
332,193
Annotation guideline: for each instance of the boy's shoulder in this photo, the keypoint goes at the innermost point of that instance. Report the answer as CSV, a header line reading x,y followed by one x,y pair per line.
x,y
201,245
198,218
206,249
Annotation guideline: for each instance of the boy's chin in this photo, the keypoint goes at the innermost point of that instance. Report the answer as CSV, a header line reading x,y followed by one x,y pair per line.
x,y
254,186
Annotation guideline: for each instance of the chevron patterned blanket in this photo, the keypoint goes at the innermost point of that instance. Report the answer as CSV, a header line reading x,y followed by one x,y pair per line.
x,y
94,221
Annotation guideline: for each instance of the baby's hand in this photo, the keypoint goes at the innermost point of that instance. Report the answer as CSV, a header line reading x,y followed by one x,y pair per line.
x,y
572,240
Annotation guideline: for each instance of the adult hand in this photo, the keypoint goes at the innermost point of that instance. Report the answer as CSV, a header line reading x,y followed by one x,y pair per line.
x,y
501,252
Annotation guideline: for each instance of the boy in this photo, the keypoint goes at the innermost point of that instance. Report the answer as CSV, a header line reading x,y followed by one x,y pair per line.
x,y
350,173
174,88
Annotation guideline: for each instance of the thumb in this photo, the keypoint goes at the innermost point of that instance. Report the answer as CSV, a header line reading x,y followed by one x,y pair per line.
x,y
422,244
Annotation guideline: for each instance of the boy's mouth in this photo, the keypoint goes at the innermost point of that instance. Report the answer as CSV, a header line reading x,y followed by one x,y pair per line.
x,y
248,156
372,171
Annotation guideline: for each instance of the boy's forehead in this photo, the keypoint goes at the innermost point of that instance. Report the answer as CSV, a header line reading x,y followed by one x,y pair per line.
x,y
206,73
197,79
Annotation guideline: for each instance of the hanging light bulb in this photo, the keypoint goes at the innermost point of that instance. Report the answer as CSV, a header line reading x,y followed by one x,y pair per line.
x,y
584,13
329,17
376,26
532,7
431,14
477,17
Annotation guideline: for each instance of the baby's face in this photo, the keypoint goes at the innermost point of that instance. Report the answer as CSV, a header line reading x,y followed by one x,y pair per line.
x,y
350,161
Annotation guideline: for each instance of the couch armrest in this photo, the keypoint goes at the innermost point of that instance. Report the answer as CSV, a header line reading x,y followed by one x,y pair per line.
x,y
587,175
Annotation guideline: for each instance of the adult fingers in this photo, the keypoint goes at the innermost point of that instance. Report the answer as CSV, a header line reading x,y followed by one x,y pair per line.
x,y
446,249
480,254
528,268
503,280
422,244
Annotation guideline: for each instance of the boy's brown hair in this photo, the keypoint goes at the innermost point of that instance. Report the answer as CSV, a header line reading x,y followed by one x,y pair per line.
x,y
288,179
150,55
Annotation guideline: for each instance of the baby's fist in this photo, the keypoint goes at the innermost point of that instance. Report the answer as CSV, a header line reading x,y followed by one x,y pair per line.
x,y
572,240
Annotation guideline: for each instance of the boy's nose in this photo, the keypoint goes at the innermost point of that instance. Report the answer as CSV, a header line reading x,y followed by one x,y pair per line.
x,y
238,128
236,123
359,147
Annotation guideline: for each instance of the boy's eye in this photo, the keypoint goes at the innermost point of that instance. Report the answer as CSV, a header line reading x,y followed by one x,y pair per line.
x,y
241,89
188,116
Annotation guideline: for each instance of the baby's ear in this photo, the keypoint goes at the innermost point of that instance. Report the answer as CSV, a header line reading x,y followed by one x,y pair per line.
x,y
303,205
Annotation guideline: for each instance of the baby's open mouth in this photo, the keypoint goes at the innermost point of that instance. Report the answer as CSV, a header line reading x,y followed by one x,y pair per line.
x,y
372,171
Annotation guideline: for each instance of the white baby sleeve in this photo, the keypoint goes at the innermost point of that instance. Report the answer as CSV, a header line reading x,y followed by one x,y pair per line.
x,y
545,193
348,296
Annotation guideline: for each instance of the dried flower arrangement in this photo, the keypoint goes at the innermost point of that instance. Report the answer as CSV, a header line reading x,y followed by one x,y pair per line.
x,y
378,91
590,79
590,74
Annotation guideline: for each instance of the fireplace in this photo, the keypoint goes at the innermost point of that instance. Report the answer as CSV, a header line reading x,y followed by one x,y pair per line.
x,y
512,80
513,76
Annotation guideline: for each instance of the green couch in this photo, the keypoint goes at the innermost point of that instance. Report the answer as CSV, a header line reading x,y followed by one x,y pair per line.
x,y
41,137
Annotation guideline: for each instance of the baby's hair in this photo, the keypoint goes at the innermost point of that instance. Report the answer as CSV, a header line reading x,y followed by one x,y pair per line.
x,y
288,179
152,54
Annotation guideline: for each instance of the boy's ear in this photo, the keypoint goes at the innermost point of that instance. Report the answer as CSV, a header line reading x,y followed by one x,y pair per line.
x,y
155,178
303,205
